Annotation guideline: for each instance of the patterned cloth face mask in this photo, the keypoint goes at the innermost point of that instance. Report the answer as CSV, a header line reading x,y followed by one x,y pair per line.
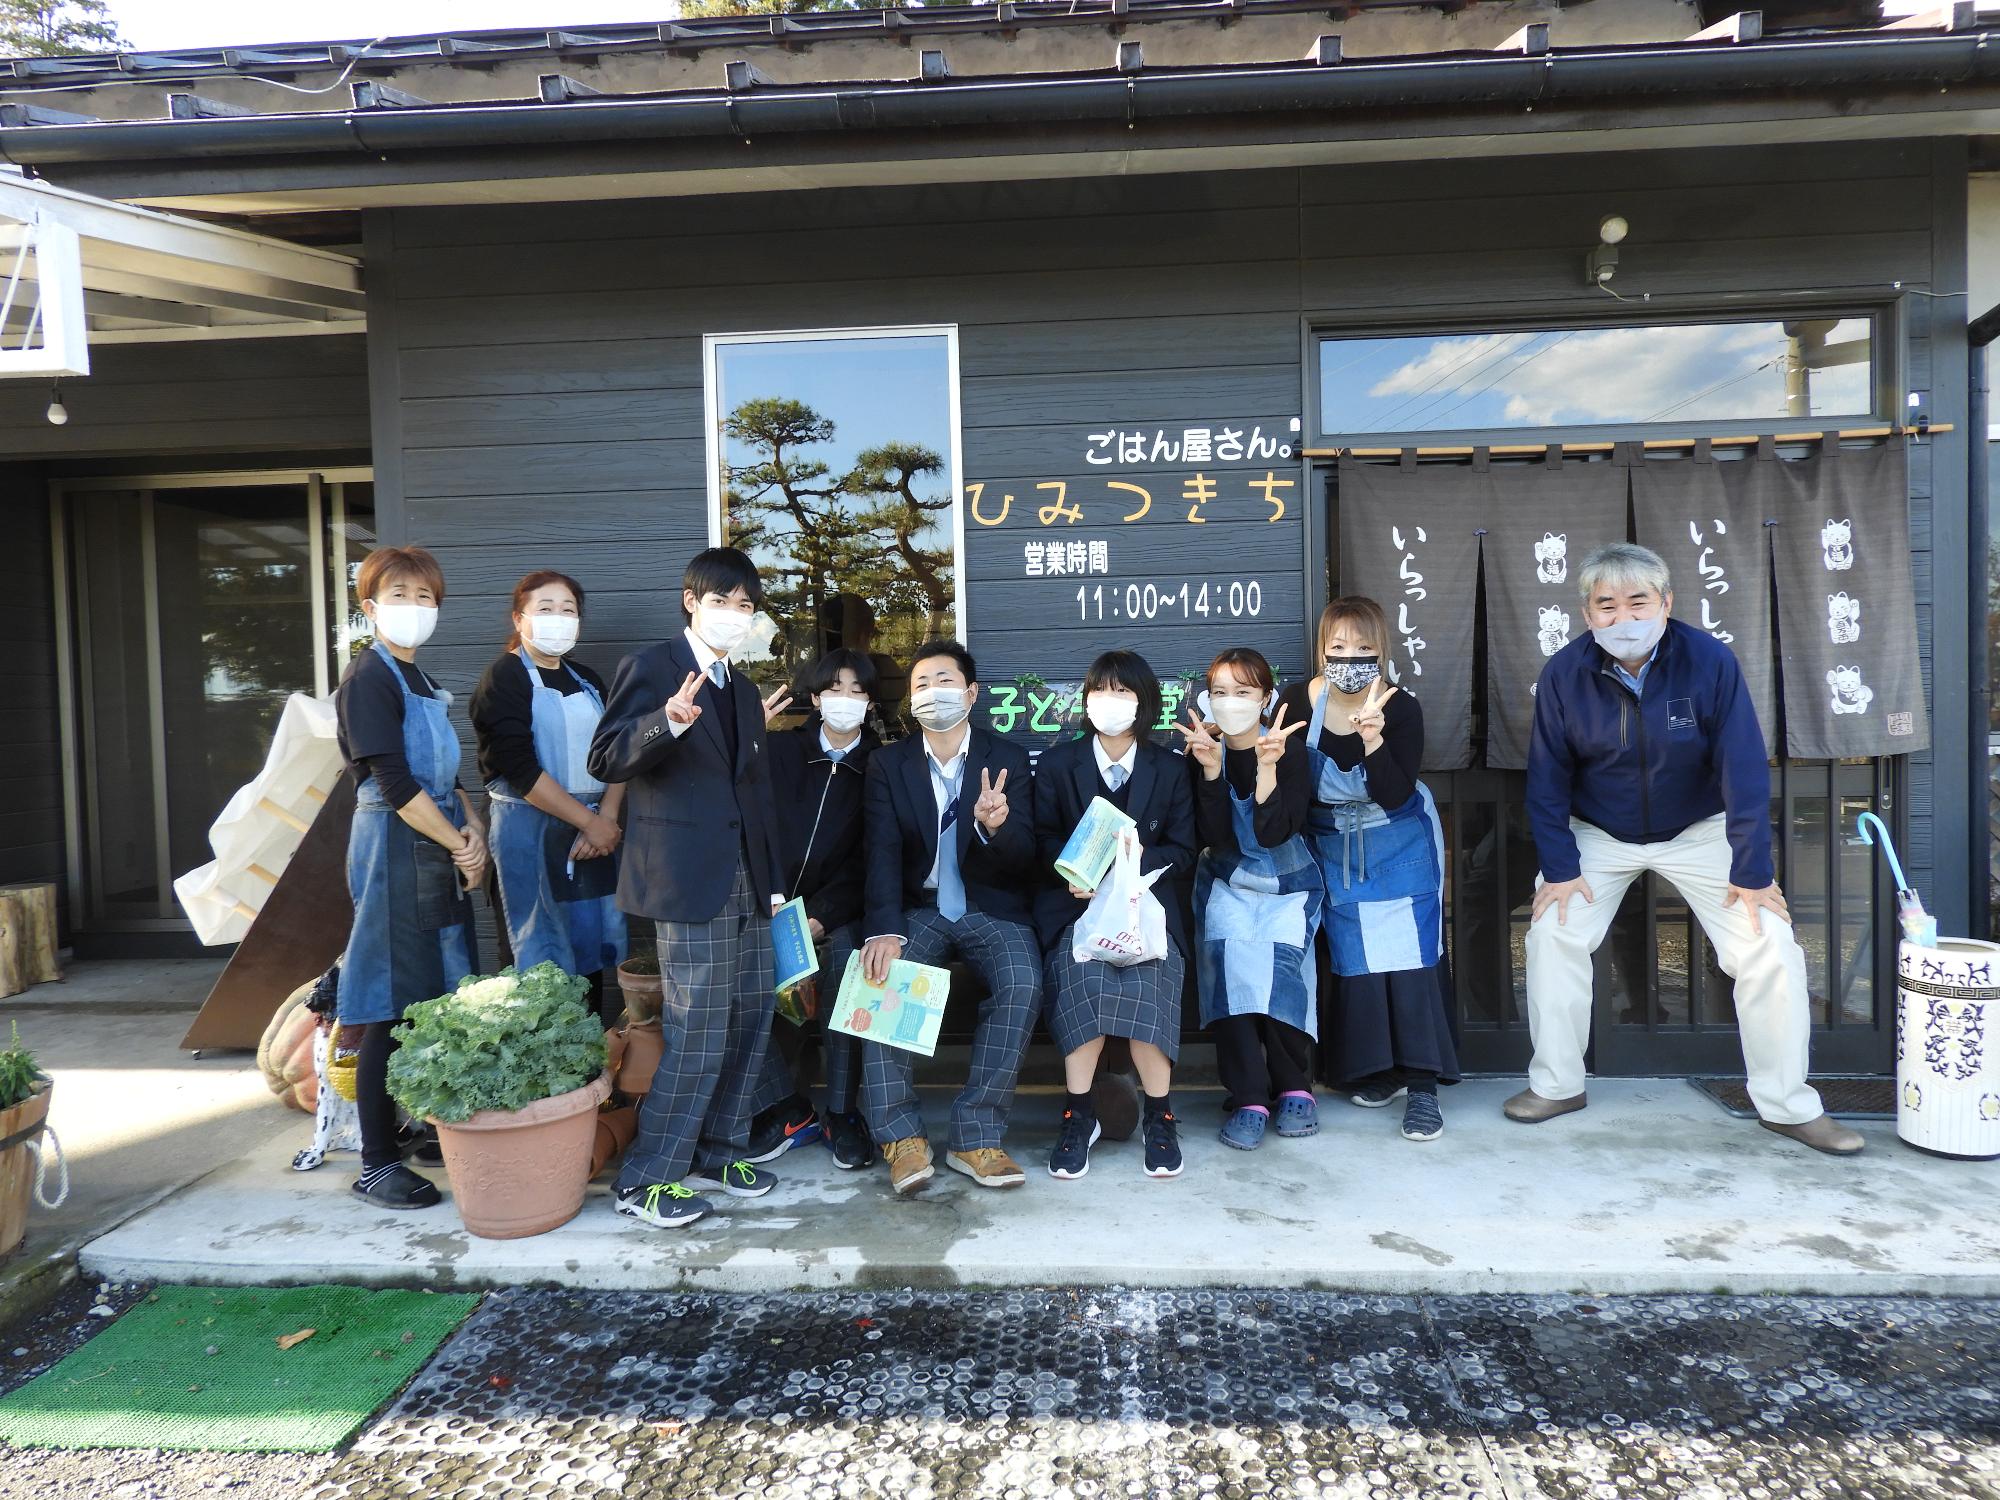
x,y
1350,674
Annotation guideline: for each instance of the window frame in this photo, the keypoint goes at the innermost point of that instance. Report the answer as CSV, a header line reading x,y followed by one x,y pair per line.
x,y
711,393
1885,355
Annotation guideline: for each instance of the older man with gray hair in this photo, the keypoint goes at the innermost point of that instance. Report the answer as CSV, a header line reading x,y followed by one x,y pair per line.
x,y
1647,755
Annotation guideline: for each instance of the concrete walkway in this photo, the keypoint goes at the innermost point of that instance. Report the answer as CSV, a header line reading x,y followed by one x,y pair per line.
x,y
137,1117
1653,1189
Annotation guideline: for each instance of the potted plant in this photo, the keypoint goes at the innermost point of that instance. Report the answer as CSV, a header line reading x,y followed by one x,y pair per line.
x,y
639,1044
510,1068
24,1107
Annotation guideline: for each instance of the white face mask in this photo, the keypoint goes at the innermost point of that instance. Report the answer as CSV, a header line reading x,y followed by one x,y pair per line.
x,y
940,710
552,635
405,625
1629,640
842,714
721,626
1236,715
1109,714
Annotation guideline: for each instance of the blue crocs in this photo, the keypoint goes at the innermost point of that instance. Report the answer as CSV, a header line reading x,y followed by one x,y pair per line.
x,y
1298,1115
1244,1129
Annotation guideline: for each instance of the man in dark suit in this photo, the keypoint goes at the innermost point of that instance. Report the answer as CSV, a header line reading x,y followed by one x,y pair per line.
x,y
949,838
686,734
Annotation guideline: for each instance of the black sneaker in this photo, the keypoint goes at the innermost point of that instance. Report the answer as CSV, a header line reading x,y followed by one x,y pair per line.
x,y
1375,1092
739,1179
848,1138
664,1205
777,1130
396,1186
419,1143
1071,1158
1163,1145
1422,1119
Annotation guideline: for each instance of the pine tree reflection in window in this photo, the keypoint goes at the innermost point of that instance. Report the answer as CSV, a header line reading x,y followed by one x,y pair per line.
x,y
836,477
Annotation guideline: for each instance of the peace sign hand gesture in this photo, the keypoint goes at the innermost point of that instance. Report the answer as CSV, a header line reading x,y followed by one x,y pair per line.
x,y
1368,719
990,811
1271,748
1203,746
776,704
681,708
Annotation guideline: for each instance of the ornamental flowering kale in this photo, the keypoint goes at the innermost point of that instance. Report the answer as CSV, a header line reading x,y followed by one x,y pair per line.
x,y
499,1041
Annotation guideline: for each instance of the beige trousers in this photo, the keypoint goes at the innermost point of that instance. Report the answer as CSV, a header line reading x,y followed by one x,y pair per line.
x,y
1772,1012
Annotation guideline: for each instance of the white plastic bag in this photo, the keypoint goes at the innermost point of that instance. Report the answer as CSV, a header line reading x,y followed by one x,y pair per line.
x,y
1124,923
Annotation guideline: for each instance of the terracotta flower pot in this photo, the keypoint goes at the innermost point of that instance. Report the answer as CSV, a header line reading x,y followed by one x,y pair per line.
x,y
520,1172
615,1129
645,1045
17,1164
641,991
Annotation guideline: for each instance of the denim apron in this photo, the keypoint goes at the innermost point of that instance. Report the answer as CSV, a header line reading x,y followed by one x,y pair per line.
x,y
1258,911
412,934
557,910
1384,870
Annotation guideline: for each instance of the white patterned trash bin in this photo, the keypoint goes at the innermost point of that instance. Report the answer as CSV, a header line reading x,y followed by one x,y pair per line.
x,y
1948,1047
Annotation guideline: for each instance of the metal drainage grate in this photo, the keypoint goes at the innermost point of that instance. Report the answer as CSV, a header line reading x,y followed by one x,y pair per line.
x,y
1846,1098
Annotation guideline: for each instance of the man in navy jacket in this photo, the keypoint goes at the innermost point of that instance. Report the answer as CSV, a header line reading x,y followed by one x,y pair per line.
x,y
948,834
1647,755
686,734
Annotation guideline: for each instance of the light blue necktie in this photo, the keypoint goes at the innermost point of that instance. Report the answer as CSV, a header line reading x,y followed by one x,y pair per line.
x,y
1114,777
951,885
717,674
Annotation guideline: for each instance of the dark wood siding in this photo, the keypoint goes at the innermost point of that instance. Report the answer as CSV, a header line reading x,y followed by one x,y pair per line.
x,y
31,833
548,359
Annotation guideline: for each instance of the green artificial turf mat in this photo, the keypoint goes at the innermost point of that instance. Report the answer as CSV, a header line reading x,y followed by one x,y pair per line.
x,y
149,1381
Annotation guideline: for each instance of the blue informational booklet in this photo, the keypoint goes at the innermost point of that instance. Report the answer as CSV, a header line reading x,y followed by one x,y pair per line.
x,y
1093,845
792,952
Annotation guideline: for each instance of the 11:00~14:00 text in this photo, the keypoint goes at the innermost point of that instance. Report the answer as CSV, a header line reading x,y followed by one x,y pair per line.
x,y
1146,601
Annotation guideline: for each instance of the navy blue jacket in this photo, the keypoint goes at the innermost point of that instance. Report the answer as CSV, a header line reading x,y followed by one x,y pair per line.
x,y
1161,801
1645,768
900,833
690,812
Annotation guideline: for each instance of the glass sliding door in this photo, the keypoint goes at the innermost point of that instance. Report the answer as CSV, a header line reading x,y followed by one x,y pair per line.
x,y
197,605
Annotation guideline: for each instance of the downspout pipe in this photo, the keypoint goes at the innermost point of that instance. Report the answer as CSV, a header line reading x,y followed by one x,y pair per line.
x,y
1858,64
1979,670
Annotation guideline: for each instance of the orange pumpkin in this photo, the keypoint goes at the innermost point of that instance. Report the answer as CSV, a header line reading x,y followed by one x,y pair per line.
x,y
285,1055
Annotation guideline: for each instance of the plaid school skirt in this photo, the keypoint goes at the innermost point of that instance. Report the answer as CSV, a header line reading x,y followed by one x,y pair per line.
x,y
1089,1000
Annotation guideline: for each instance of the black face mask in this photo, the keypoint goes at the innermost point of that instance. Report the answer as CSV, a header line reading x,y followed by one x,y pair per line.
x,y
1350,674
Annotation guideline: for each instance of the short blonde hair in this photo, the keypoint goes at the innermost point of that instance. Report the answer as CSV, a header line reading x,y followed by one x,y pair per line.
x,y
1357,610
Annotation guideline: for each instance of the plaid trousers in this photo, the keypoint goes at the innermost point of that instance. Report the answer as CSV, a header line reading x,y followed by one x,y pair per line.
x,y
842,1053
715,1013
1007,958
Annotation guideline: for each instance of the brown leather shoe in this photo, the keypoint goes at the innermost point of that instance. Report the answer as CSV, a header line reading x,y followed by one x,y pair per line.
x,y
909,1163
988,1166
1824,1134
1530,1108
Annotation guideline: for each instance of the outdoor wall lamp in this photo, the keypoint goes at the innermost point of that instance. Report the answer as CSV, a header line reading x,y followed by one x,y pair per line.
x,y
57,412
1602,263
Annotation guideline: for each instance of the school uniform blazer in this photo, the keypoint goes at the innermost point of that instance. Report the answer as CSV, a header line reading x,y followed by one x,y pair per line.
x,y
688,810
1160,800
900,827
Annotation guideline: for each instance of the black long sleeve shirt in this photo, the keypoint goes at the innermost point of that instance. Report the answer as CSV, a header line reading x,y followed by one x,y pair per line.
x,y
369,706
1278,819
503,716
1392,769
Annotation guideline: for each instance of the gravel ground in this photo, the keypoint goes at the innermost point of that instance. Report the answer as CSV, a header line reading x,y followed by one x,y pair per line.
x,y
1077,1395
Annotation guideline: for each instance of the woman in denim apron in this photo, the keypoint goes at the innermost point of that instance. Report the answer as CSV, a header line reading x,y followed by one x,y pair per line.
x,y
1375,831
1257,900
412,852
555,826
